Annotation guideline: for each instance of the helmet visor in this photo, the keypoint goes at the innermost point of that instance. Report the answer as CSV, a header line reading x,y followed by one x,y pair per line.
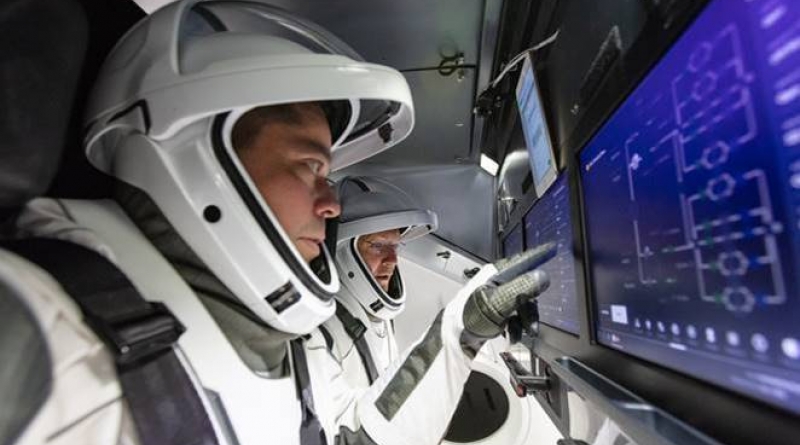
x,y
350,118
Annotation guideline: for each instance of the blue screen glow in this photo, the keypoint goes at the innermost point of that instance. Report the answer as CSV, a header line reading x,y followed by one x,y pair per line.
x,y
547,221
692,204
534,126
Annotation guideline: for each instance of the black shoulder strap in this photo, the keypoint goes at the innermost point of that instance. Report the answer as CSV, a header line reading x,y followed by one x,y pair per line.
x,y
328,337
164,403
356,330
311,431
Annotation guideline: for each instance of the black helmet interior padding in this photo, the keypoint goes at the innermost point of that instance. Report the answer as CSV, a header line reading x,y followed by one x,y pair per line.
x,y
332,235
318,265
320,269
395,285
374,113
338,113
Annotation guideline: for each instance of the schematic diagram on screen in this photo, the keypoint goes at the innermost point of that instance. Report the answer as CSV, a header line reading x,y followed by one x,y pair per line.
x,y
691,143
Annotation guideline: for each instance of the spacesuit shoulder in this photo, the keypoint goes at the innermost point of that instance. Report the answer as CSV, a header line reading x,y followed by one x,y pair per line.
x,y
70,367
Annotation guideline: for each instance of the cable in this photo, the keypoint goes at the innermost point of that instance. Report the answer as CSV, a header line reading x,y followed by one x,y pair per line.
x,y
487,98
519,57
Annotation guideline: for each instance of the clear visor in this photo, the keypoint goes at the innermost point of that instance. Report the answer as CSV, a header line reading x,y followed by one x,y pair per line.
x,y
367,251
258,18
305,251
288,35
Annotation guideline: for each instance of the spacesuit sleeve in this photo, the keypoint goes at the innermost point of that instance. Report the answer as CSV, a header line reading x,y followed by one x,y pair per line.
x,y
414,399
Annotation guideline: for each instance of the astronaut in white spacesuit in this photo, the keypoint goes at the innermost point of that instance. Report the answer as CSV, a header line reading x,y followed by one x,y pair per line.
x,y
377,218
222,130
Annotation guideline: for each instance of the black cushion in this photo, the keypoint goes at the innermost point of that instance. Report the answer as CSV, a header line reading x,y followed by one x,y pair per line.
x,y
42,46
482,410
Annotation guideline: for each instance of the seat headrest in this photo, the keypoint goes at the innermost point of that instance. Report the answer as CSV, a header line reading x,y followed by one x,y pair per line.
x,y
42,48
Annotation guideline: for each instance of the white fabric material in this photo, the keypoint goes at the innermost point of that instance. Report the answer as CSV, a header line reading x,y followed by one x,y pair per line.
x,y
86,404
422,419
517,428
261,410
48,218
430,292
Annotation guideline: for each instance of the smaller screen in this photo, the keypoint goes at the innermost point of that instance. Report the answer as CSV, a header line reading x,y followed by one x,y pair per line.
x,y
513,243
549,221
534,128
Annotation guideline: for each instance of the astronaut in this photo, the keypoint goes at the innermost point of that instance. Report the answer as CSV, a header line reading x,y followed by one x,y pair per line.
x,y
221,121
377,218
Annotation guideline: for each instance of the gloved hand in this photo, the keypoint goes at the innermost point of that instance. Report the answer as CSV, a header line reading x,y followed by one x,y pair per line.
x,y
516,282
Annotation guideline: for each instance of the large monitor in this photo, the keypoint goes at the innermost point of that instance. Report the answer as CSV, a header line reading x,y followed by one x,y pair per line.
x,y
692,206
544,168
513,243
549,220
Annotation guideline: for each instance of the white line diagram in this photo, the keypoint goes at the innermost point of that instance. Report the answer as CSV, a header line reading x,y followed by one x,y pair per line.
x,y
687,152
549,221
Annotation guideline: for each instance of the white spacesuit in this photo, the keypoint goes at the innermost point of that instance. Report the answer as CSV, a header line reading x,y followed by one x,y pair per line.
x,y
364,309
194,228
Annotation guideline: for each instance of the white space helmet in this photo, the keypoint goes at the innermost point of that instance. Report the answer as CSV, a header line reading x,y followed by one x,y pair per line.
x,y
160,118
371,205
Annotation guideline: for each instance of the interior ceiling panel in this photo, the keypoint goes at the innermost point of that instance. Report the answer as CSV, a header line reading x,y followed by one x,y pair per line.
x,y
407,34
443,114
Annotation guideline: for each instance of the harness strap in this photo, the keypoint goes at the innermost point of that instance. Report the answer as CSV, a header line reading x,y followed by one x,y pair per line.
x,y
141,335
356,330
311,431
